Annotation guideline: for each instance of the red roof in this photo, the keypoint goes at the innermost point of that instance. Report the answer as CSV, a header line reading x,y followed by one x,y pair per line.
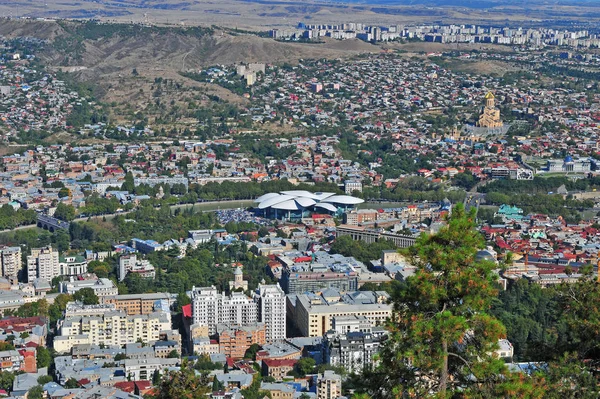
x,y
142,385
301,259
126,386
27,353
280,362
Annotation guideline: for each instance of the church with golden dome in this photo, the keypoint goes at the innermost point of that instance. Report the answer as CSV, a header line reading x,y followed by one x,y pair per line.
x,y
490,115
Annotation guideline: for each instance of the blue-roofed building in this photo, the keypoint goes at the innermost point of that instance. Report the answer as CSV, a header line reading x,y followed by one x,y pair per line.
x,y
146,246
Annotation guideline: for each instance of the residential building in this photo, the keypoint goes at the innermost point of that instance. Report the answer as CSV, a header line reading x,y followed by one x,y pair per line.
x,y
313,314
146,246
277,368
351,186
348,324
143,369
11,262
205,346
133,304
272,311
102,287
234,341
329,385
43,263
11,300
354,351
278,390
131,264
11,360
294,282
210,308
109,328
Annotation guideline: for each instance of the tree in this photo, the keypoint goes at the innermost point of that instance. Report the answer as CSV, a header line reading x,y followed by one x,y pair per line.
x,y
7,346
87,296
129,184
182,300
64,212
56,310
37,392
465,180
156,377
120,356
441,338
263,232
581,314
71,383
44,379
182,384
569,377
6,380
217,385
251,352
43,357
173,354
64,192
100,269
306,365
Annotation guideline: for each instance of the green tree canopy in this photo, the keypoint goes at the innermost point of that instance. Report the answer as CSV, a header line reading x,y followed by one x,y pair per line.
x,y
441,338
182,384
64,212
87,296
43,357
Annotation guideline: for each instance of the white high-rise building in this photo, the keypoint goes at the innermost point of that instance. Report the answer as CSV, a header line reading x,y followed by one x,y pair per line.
x,y
126,263
271,311
11,262
43,263
210,308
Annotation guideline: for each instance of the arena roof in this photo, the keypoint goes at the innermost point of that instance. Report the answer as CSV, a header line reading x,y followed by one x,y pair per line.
x,y
300,199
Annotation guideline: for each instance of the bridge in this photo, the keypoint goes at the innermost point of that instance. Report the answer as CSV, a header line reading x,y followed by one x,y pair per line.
x,y
370,236
51,224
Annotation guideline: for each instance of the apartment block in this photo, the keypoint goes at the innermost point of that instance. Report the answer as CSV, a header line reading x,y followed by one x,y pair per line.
x,y
210,308
133,304
109,328
43,263
11,262
329,385
235,341
314,314
277,368
272,311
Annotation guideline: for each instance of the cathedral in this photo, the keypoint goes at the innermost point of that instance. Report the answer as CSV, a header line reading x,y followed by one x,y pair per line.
x,y
490,116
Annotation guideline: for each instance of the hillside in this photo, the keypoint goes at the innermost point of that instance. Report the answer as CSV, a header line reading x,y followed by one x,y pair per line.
x,y
124,61
113,48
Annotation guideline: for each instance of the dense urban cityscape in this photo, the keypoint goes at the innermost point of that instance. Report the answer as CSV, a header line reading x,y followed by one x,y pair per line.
x,y
416,218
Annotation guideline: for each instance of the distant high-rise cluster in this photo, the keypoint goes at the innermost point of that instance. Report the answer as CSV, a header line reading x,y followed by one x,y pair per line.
x,y
442,34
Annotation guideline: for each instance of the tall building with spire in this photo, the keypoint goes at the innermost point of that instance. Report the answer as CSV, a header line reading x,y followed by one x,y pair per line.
x,y
490,115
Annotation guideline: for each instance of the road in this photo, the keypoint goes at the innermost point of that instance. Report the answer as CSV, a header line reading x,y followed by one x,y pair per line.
x,y
209,206
473,200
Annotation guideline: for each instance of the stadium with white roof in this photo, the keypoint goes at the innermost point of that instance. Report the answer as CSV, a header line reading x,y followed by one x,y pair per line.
x,y
291,205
